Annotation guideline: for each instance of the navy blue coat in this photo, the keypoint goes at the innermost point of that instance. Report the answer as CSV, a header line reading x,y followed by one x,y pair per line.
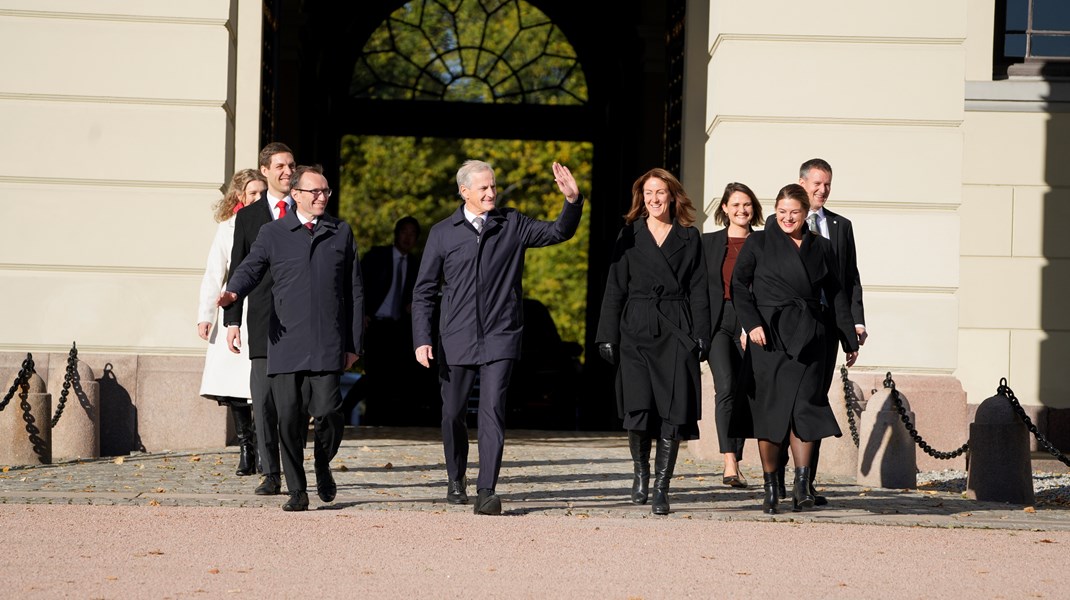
x,y
481,318
318,292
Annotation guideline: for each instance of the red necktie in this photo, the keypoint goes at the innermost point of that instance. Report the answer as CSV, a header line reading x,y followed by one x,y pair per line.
x,y
282,208
310,225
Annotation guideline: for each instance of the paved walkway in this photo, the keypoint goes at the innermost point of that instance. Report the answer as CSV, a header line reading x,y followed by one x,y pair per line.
x,y
561,474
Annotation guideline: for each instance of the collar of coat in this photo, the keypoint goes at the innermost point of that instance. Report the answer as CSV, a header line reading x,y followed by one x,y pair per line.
x,y
675,241
787,258
493,219
323,221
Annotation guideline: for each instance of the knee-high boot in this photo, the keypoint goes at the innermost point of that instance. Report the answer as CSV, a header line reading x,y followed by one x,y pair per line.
x,y
664,464
243,424
639,444
770,501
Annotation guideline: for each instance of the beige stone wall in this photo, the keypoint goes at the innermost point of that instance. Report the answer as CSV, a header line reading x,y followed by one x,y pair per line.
x,y
866,87
122,121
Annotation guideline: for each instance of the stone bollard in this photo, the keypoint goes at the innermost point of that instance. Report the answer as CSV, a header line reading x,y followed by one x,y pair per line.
x,y
999,467
886,453
26,425
77,433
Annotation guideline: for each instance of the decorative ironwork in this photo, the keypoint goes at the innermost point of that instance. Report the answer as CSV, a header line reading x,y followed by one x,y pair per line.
x,y
487,51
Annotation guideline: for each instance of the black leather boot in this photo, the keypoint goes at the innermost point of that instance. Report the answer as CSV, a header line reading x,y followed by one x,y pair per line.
x,y
664,464
781,486
801,496
243,424
770,501
639,444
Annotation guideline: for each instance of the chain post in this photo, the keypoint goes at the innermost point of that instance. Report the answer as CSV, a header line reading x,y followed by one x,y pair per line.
x,y
1042,441
889,383
21,380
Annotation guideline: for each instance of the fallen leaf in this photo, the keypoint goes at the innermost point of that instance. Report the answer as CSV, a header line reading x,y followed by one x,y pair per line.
x,y
118,460
159,490
1045,541
195,459
112,578
155,552
1029,509
214,571
154,503
365,449
388,466
6,469
343,468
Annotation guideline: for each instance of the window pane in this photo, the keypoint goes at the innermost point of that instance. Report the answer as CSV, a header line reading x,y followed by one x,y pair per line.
x,y
1014,45
1051,15
1017,14
1050,46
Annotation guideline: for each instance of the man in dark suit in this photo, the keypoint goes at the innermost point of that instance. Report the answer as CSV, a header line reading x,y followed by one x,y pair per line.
x,y
477,254
815,175
389,275
317,330
277,165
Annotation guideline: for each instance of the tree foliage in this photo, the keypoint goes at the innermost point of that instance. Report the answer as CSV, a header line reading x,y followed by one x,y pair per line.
x,y
386,178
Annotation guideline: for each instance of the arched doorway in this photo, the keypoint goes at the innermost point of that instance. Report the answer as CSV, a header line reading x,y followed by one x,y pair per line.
x,y
312,47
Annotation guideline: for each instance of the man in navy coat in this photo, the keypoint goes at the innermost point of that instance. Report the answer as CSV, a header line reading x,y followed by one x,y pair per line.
x,y
318,332
476,256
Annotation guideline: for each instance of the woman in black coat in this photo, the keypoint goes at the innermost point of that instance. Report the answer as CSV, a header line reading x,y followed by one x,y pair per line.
x,y
783,281
738,212
654,325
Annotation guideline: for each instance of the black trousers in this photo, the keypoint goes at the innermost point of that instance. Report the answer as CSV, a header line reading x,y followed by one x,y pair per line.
x,y
456,383
265,416
297,396
726,364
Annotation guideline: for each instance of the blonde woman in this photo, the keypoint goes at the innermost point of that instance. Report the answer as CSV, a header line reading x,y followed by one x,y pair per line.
x,y
226,375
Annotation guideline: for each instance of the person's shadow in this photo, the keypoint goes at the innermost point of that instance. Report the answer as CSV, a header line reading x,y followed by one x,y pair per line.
x,y
118,417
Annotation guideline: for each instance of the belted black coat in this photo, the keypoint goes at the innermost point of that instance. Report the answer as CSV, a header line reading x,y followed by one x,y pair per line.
x,y
655,308
317,289
481,318
778,286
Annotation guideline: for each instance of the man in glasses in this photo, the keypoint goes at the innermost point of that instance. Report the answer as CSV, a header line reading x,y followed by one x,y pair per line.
x,y
318,330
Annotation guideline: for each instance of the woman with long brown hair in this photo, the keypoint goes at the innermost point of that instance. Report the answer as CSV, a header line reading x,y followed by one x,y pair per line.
x,y
226,375
655,326
782,286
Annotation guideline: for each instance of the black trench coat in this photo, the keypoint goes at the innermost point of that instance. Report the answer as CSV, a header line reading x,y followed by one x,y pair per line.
x,y
655,307
778,287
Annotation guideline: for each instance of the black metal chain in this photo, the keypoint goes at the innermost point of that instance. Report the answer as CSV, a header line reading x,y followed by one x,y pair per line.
x,y
852,402
1005,391
70,378
21,380
889,383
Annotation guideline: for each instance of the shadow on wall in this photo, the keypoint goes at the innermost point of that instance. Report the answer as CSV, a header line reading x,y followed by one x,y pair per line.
x,y
118,417
1054,386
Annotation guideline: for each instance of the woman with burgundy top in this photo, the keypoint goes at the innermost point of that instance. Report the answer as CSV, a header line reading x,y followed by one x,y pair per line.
x,y
784,286
738,212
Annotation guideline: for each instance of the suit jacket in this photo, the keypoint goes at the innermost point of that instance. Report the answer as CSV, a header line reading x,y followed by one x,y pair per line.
x,y
377,267
247,225
842,236
481,319
317,289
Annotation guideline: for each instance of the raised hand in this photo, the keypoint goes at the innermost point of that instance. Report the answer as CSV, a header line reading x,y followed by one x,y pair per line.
x,y
565,182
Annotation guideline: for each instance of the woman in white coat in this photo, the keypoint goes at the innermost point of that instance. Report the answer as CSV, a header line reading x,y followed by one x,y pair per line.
x,y
226,375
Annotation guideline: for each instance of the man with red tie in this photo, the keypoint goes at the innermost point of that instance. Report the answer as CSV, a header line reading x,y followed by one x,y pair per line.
x,y
317,329
277,165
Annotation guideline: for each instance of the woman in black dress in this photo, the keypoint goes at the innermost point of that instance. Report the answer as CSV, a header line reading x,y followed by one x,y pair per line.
x,y
738,212
654,325
783,281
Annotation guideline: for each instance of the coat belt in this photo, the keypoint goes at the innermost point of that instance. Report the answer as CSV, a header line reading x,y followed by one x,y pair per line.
x,y
803,313
656,317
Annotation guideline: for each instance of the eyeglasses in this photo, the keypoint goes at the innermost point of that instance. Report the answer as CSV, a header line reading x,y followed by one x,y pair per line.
x,y
325,192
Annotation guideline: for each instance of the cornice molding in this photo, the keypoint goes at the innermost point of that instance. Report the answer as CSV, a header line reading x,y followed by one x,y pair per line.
x,y
114,17
103,349
856,122
832,39
89,99
215,186
103,270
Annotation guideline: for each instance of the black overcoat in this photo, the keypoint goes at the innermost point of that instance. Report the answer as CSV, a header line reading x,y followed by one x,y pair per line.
x,y
318,293
778,286
247,224
842,236
481,318
655,308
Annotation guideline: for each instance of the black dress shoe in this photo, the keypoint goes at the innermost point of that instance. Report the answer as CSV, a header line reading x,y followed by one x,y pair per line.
x,y
270,486
298,501
487,503
457,493
326,489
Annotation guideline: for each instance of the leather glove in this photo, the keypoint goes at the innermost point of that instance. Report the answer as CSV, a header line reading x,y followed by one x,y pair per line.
x,y
702,351
608,352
